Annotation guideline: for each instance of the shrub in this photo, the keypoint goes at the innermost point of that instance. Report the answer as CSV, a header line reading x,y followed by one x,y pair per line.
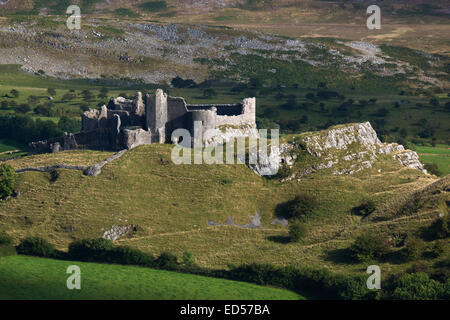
x,y
179,82
301,206
35,246
126,12
188,259
365,208
413,250
433,169
131,256
325,94
284,171
297,231
441,227
5,239
44,110
154,6
66,124
367,247
418,286
262,274
209,93
7,180
437,249
167,261
317,282
51,92
23,108
91,250
68,97
15,93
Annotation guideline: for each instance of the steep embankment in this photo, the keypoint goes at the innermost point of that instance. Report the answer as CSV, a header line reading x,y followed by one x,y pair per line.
x,y
168,207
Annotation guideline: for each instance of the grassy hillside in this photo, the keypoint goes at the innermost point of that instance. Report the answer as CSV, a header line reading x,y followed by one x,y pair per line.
x,y
171,206
415,24
42,279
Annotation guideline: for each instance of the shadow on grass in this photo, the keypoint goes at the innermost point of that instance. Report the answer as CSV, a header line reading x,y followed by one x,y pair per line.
x,y
394,257
340,256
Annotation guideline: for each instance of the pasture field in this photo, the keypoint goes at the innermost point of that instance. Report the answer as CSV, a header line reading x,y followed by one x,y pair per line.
x,y
42,279
440,155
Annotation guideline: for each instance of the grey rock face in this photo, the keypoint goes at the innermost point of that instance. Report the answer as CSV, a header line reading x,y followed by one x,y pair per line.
x,y
325,144
255,222
117,232
268,163
281,221
341,138
410,159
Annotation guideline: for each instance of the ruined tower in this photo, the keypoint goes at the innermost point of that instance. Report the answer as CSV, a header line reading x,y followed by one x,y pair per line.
x,y
156,116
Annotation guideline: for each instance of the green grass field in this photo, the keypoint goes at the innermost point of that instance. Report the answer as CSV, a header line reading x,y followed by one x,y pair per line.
x,y
37,278
440,155
7,145
10,149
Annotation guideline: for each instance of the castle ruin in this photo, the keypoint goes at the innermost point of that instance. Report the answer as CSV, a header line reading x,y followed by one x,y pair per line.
x,y
128,123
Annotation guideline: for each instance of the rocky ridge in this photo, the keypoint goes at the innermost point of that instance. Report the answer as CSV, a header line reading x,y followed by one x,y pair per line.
x,y
346,149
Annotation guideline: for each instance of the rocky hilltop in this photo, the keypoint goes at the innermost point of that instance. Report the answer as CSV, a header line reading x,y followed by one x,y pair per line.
x,y
345,149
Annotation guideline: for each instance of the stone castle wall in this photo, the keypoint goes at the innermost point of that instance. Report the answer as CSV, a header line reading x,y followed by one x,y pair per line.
x,y
127,123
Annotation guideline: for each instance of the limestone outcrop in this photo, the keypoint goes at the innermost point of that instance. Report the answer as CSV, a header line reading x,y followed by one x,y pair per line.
x,y
346,149
117,232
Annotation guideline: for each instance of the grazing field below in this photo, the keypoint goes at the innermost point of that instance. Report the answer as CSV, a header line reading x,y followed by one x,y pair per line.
x,y
439,155
42,279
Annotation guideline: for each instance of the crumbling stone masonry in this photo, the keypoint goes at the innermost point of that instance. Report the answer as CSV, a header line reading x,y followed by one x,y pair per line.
x,y
128,123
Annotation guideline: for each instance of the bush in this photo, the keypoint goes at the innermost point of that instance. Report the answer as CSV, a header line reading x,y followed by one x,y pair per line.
x,y
367,247
51,92
131,256
167,261
179,82
99,250
126,12
418,286
433,169
284,171
15,93
35,246
23,108
209,93
413,250
188,259
7,180
440,228
365,208
301,206
438,249
297,231
317,282
5,239
66,124
154,6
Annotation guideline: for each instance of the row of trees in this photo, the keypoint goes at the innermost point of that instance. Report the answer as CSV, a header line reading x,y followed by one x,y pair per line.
x,y
23,128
